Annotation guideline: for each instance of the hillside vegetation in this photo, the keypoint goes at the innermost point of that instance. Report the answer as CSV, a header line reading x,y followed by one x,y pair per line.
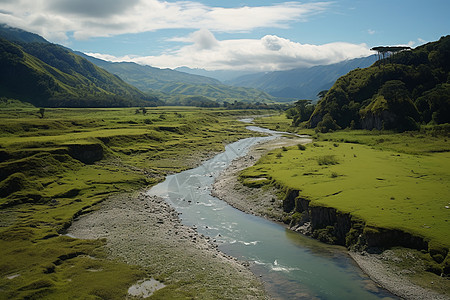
x,y
399,92
175,87
49,75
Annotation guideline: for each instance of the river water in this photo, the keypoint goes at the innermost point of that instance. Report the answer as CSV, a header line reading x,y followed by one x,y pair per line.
x,y
290,265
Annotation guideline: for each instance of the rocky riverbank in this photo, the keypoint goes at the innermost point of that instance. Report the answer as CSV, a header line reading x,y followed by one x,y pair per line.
x,y
264,202
260,202
145,231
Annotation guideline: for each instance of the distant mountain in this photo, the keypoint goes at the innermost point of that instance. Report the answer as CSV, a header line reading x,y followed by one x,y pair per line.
x,y
175,86
146,77
398,92
301,83
46,74
222,75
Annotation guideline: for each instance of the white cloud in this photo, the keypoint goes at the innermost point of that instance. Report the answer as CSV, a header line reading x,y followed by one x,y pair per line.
x,y
266,54
101,18
421,41
204,39
371,31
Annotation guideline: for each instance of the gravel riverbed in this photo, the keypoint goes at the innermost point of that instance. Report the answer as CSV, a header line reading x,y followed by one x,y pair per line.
x,y
145,231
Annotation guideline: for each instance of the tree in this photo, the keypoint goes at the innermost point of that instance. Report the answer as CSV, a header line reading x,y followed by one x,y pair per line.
x,y
301,112
327,124
387,51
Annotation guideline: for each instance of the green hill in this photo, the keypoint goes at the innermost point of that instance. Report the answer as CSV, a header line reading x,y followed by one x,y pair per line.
x,y
399,92
18,35
50,75
174,86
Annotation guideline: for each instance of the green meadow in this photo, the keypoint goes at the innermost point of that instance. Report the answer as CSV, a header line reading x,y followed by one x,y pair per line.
x,y
386,180
55,168
384,188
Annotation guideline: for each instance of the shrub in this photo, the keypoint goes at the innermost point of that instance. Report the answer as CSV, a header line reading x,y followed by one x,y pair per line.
x,y
327,160
325,235
301,147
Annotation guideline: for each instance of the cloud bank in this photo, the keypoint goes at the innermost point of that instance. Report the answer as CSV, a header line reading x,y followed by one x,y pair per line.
x,y
61,21
266,54
54,19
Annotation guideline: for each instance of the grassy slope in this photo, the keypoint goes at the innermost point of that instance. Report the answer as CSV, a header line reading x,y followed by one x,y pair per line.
x,y
46,187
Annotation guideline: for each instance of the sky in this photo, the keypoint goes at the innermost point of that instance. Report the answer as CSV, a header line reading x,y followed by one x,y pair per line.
x,y
230,35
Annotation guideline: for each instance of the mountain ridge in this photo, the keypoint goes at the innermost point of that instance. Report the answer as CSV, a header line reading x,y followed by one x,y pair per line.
x,y
174,86
50,75
301,83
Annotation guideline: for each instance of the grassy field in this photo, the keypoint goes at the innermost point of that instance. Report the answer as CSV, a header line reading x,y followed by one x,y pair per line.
x,y
388,180
386,189
59,166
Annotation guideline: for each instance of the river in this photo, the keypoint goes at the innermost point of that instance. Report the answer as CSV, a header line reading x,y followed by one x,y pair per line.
x,y
291,266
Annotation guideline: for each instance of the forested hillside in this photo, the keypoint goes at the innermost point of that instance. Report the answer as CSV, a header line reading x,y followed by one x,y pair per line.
x,y
399,92
50,75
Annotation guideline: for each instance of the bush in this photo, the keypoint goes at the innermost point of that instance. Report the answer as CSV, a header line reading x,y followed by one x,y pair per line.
x,y
327,160
301,147
325,235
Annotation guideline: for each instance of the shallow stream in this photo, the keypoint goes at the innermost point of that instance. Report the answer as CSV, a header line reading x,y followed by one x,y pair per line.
x,y
290,265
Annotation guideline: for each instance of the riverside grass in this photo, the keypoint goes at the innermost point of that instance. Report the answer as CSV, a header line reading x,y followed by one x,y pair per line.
x,y
43,188
384,188
385,179
390,180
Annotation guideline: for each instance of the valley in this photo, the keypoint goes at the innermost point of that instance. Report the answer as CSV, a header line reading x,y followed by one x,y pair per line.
x,y
97,194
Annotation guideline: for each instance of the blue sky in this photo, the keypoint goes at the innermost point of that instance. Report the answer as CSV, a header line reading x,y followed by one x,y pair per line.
x,y
236,35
